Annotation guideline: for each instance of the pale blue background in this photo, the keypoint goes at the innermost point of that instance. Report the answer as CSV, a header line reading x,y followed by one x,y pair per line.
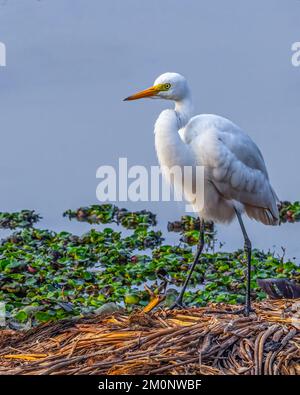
x,y
70,62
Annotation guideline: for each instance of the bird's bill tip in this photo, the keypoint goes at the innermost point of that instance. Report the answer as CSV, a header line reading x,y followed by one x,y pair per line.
x,y
152,91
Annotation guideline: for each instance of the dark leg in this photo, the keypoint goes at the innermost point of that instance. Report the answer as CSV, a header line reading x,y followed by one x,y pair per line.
x,y
178,302
247,246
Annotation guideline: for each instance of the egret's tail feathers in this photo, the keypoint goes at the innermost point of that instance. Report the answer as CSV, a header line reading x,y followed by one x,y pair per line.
x,y
263,215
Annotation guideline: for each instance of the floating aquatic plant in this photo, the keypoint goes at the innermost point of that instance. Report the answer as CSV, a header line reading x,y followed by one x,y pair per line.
x,y
22,219
289,212
46,275
108,213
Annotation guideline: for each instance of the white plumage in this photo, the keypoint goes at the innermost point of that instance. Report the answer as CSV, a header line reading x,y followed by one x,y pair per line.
x,y
235,175
235,171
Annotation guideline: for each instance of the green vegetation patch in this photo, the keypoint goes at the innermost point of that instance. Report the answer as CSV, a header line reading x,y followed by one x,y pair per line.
x,y
46,275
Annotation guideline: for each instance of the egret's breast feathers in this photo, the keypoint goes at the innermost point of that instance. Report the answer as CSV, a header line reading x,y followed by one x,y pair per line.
x,y
169,147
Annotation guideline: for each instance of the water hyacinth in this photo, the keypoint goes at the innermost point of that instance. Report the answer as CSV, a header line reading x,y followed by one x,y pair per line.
x,y
108,213
22,219
45,275
289,212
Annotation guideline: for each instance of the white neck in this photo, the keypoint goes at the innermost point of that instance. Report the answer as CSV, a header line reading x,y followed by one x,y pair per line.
x,y
170,148
184,110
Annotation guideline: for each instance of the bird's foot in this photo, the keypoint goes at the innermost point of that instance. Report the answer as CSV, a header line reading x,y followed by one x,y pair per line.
x,y
244,311
178,304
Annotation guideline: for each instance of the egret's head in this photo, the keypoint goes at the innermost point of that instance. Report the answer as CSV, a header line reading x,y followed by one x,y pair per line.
x,y
170,86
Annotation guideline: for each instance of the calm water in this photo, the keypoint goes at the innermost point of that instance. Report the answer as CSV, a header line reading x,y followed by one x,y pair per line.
x,y
70,63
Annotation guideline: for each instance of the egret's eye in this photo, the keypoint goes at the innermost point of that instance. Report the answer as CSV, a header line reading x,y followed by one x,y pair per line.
x,y
167,86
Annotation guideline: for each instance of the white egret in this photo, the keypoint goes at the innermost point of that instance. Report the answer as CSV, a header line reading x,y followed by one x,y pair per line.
x,y
236,179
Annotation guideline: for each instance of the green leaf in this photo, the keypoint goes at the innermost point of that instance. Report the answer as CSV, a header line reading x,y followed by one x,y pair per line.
x,y
21,316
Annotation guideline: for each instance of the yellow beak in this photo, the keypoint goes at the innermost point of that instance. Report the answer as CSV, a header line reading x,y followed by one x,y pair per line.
x,y
154,90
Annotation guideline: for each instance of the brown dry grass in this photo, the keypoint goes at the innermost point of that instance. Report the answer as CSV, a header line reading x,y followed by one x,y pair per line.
x,y
168,342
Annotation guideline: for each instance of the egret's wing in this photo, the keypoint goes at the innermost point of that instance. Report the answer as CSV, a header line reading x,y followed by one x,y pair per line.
x,y
233,163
